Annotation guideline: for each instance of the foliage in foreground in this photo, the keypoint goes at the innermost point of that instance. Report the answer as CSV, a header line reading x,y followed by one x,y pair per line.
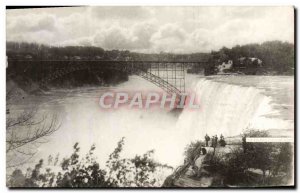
x,y
74,172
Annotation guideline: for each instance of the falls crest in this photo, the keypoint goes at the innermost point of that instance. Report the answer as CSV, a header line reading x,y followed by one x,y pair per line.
x,y
224,109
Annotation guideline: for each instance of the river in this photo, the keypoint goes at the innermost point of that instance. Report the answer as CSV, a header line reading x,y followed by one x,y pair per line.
x,y
228,105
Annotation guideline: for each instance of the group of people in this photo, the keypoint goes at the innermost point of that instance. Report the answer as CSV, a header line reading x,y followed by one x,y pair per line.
x,y
214,141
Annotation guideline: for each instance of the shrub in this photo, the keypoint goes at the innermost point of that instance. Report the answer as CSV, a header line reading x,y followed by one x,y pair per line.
x,y
75,172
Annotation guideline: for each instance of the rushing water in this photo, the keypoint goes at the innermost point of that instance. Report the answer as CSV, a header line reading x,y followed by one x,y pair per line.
x,y
229,105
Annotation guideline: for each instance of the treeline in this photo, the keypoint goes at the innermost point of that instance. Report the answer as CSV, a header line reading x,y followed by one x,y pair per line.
x,y
101,77
23,50
277,57
30,51
85,172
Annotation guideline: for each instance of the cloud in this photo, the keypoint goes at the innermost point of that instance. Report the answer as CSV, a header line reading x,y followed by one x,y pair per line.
x,y
46,23
32,28
136,37
132,13
82,41
115,38
152,29
32,23
170,37
142,33
170,31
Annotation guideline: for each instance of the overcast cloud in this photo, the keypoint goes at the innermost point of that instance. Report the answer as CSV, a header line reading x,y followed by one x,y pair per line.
x,y
152,29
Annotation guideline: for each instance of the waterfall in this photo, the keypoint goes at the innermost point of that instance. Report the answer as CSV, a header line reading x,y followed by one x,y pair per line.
x,y
224,109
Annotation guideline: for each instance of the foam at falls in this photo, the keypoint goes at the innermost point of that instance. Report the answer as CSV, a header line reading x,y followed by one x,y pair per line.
x,y
224,109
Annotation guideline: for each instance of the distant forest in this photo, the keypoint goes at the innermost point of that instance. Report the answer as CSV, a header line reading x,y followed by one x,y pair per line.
x,y
277,57
39,51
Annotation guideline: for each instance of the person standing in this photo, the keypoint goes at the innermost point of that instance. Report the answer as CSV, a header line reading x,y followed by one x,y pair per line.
x,y
207,138
222,141
221,137
216,141
244,143
212,141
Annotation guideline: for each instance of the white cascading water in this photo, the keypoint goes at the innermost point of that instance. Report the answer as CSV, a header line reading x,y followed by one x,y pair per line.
x,y
224,109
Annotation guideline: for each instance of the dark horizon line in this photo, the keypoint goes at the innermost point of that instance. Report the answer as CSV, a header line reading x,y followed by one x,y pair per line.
x,y
161,52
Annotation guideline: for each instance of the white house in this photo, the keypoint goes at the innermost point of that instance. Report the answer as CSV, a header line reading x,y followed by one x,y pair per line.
x,y
225,66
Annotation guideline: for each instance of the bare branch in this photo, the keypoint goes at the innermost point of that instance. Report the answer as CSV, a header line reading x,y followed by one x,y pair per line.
x,y
25,133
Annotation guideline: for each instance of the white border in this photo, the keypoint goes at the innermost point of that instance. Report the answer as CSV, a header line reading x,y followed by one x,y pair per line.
x,y
4,3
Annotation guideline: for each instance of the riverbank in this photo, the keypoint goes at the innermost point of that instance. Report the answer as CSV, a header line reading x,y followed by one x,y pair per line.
x,y
235,165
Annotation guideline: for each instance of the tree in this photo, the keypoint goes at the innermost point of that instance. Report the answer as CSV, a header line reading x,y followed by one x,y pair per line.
x,y
193,150
283,161
135,172
25,130
24,133
76,171
258,155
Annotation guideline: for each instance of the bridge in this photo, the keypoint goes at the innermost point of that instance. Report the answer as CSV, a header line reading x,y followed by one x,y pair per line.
x,y
168,75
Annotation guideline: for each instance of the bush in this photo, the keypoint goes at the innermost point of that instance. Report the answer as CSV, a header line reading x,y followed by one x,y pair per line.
x,y
193,150
75,172
236,167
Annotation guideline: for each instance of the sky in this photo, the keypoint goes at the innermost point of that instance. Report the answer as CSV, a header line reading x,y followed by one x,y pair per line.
x,y
151,29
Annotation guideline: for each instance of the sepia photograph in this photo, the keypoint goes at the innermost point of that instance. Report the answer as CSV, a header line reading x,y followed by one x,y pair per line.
x,y
150,97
